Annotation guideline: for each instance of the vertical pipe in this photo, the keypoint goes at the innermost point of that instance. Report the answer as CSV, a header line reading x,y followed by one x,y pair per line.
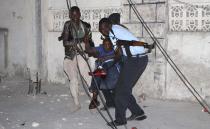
x,y
38,32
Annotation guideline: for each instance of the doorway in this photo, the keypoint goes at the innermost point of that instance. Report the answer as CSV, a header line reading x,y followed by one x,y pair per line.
x,y
3,50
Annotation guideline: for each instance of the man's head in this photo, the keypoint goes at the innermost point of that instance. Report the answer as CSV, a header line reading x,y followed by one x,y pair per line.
x,y
105,26
74,14
107,44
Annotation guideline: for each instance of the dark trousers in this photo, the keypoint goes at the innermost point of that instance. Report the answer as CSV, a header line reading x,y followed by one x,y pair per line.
x,y
132,69
109,97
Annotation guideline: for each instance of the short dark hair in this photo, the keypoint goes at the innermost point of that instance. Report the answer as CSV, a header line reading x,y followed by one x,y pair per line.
x,y
104,20
115,18
74,8
107,39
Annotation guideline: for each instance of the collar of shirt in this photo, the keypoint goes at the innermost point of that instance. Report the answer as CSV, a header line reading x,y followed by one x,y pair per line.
x,y
79,31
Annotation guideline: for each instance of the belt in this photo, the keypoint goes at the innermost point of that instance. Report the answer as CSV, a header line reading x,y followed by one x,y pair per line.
x,y
139,55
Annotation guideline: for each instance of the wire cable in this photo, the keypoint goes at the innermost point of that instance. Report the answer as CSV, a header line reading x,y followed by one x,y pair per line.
x,y
83,55
67,4
85,87
76,2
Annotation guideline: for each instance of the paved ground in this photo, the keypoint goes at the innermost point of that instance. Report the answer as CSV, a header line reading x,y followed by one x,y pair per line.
x,y
53,111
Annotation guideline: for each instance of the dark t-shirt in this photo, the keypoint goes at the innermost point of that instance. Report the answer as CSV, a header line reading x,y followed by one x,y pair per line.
x,y
103,53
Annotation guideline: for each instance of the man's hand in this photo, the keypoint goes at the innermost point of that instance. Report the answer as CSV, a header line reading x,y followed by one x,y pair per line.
x,y
86,39
60,38
149,47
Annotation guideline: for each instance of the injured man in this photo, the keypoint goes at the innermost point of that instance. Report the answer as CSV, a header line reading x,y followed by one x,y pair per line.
x,y
106,72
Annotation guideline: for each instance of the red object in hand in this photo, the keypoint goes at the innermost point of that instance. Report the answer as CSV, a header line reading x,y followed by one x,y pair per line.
x,y
98,73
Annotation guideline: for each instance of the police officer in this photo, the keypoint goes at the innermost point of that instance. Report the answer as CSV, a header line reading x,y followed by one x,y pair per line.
x,y
135,62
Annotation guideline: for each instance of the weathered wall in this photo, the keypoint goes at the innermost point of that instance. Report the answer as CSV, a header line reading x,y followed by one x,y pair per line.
x,y
34,26
189,45
183,31
19,17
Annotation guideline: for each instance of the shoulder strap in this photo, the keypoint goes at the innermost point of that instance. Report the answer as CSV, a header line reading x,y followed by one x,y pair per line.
x,y
114,35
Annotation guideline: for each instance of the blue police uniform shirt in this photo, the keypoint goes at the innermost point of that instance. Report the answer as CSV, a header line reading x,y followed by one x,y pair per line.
x,y
121,33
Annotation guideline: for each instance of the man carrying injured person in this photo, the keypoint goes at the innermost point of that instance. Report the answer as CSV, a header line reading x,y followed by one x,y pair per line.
x,y
134,63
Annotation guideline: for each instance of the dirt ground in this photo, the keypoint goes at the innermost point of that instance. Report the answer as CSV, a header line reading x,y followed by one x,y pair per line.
x,y
52,110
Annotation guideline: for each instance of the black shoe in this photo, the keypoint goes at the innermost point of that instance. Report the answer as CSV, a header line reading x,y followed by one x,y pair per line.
x,y
116,123
137,117
94,104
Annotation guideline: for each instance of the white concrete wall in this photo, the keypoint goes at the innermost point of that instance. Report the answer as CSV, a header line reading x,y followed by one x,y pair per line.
x,y
190,51
18,17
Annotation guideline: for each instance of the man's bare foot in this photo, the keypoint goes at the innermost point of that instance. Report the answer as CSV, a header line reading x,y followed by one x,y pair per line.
x,y
76,108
